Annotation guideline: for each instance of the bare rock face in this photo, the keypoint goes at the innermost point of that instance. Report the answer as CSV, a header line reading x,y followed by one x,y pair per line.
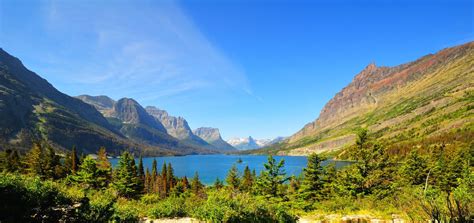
x,y
213,137
130,112
101,102
176,126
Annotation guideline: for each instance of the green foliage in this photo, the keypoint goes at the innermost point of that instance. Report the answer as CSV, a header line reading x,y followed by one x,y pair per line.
x,y
271,177
232,178
247,180
171,207
313,183
126,181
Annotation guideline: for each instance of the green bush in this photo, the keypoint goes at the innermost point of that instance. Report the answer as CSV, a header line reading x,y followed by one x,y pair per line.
x,y
170,207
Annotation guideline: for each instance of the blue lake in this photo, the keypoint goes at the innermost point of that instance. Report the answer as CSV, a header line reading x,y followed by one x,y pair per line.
x,y
209,167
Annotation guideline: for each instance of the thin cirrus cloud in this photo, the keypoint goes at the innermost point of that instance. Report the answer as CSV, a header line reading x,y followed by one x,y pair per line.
x,y
147,50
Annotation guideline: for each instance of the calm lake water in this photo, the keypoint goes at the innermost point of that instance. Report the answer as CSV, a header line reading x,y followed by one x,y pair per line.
x,y
209,167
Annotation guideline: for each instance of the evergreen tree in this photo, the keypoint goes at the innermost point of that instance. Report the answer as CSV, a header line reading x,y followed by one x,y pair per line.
x,y
164,180
74,160
52,165
34,160
154,187
415,169
247,179
313,182
11,161
125,177
218,184
148,181
271,177
141,174
170,177
196,185
233,178
185,183
104,168
88,174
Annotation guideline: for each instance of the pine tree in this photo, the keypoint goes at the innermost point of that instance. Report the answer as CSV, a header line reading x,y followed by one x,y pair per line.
x,y
415,169
232,178
312,185
88,174
34,160
141,174
247,180
164,180
11,161
154,187
104,168
170,177
185,183
148,185
125,177
52,165
74,160
271,177
218,184
196,185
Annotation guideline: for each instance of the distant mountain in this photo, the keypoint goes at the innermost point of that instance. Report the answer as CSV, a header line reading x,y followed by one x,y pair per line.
x,y
213,137
135,122
427,101
249,143
178,127
31,109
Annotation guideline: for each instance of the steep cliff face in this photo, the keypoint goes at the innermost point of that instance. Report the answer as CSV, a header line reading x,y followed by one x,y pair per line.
x,y
178,127
213,137
386,99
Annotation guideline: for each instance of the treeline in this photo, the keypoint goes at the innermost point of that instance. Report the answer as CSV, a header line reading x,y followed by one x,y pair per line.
x,y
433,183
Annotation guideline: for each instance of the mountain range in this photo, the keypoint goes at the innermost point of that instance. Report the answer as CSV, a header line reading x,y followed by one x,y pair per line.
x,y
425,102
213,137
249,143
32,110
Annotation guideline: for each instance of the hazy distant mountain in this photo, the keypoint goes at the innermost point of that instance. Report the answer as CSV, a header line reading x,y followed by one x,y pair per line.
x,y
101,102
178,127
401,105
213,137
248,143
31,109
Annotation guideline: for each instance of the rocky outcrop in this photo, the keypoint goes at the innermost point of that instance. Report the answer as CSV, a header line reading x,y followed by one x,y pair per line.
x,y
213,137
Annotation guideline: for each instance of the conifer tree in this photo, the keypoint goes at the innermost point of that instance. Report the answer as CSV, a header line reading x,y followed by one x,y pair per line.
x,y
218,184
11,161
185,183
271,177
312,185
170,177
196,185
74,160
247,179
164,180
104,168
148,185
154,187
88,174
232,178
34,160
125,177
141,171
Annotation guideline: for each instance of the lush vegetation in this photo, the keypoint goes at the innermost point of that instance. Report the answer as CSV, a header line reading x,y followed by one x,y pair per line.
x,y
431,183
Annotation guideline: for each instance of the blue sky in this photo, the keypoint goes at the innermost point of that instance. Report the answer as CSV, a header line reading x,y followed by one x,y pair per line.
x,y
259,68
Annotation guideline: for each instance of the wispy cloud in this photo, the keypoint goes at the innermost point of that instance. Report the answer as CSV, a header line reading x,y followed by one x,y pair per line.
x,y
153,50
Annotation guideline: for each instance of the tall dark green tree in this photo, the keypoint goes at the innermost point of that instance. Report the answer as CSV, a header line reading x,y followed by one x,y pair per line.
x,y
218,184
313,182
196,185
247,180
125,177
415,169
271,177
164,180
11,161
88,174
170,177
232,178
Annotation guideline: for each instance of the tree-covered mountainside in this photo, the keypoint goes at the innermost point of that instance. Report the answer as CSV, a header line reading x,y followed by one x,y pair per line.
x,y
420,103
31,109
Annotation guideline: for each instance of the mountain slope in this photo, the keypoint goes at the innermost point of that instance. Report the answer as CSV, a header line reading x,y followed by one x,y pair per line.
x,y
213,137
31,109
178,127
133,121
249,143
400,105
